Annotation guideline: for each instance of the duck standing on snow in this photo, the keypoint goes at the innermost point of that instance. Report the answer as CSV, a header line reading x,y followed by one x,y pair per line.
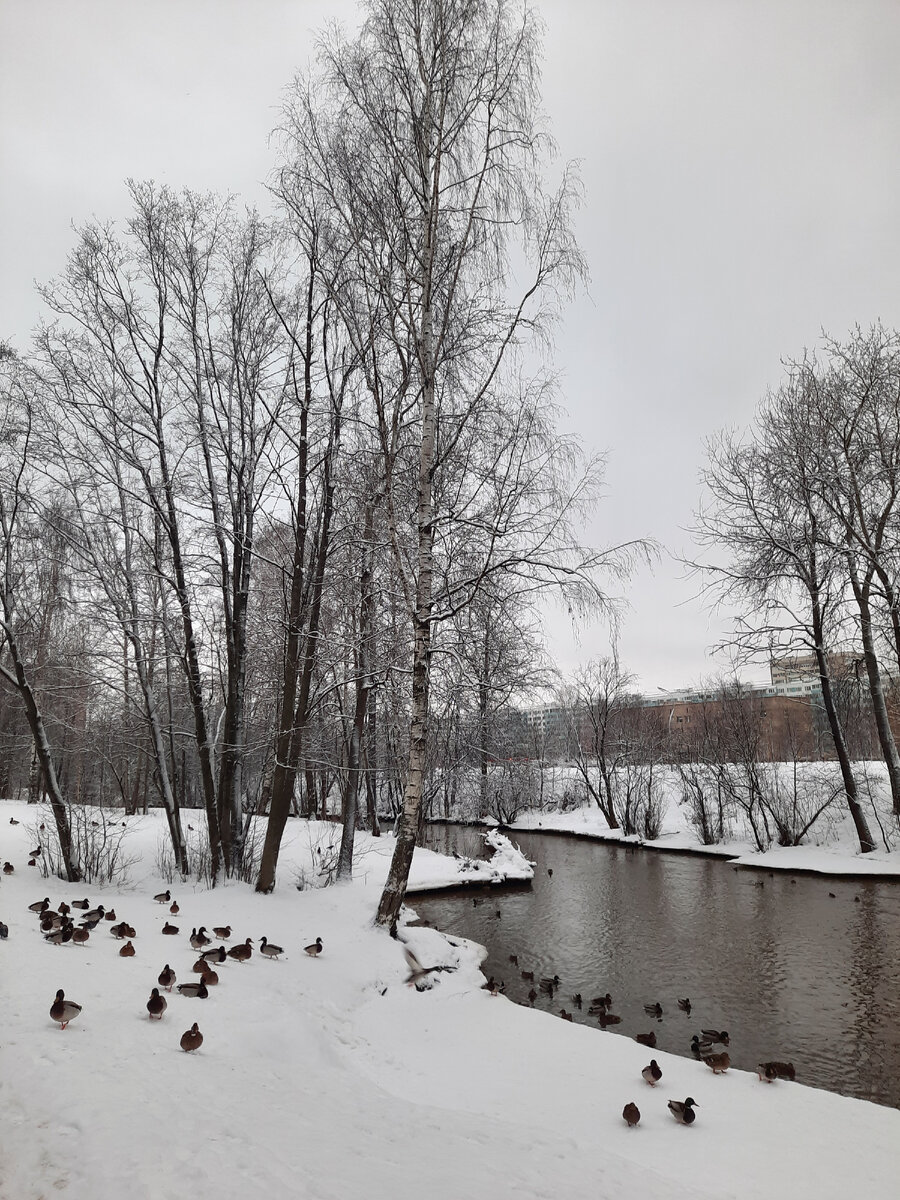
x,y
173,908
315,948
683,1111
719,1063
166,978
62,1010
170,929
80,936
191,1039
127,951
215,956
767,1072
265,947
156,1005
632,1114
163,897
199,938
4,931
652,1073
194,991
39,905
223,932
242,952
8,868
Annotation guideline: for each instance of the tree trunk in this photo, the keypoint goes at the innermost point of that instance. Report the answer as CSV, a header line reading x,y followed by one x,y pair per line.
x,y
861,592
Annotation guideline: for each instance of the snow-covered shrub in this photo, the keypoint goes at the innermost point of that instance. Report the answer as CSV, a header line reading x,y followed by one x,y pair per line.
x,y
702,794
795,795
98,836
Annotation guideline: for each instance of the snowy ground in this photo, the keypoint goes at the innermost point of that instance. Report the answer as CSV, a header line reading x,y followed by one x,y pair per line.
x,y
831,847
328,1078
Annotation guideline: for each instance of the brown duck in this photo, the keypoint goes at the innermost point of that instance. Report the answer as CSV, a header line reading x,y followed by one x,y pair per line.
x,y
222,931
63,1010
719,1063
191,1039
156,1005
646,1039
632,1114
314,948
241,952
127,951
170,929
166,978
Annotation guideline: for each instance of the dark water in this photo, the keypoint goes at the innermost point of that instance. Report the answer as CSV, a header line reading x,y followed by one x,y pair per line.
x,y
789,971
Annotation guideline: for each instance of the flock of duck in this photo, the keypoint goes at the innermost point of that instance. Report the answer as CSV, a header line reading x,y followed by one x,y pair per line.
x,y
58,928
709,1046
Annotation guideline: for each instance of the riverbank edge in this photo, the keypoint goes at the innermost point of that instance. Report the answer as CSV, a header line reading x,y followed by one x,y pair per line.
x,y
739,860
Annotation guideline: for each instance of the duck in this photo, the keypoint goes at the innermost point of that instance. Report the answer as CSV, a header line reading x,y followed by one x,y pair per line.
x,y
118,931
199,938
163,897
719,1063
200,967
716,1035
127,951
314,948
653,1010
269,949
605,1018
95,914
632,1114
39,905
156,1005
241,952
532,996
784,1070
566,1016
603,1001
80,936
576,999
4,931
495,987
13,821
166,978
646,1039
59,936
85,924
173,908
549,983
170,929
63,909
191,1039
698,1048
195,991
63,1010
652,1073
34,853
110,916
8,868
528,975
766,1072
32,863
209,977
84,904
514,959
683,1110
218,955
685,1004
222,931
50,921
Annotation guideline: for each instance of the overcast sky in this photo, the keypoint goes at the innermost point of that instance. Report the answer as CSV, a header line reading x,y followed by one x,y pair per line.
x,y
742,181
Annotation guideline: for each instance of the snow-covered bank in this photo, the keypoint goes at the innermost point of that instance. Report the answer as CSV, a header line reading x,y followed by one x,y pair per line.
x,y
325,1078
830,848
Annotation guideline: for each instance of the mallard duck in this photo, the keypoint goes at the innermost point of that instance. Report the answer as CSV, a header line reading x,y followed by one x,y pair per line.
x,y
156,1005
632,1114
685,1004
85,924
242,952
716,1035
653,1010
528,975
269,949
95,914
50,921
13,821
576,999
80,936
222,931
418,974
173,908
195,991
646,1039
110,916
532,996
200,967
549,983
59,936
514,959
314,948
63,1010
199,938
166,978
605,1018
63,908
8,868
83,904
602,1001
127,951
32,862
163,897
118,931
170,929
192,1039
218,955
718,1063
767,1072
34,853
698,1048
209,977
4,931
683,1111
652,1073
39,905
566,1016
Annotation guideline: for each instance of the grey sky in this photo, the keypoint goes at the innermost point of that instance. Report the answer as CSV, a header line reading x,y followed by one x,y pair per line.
x,y
740,163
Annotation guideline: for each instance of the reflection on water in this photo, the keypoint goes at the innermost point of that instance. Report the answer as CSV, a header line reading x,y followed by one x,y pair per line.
x,y
790,971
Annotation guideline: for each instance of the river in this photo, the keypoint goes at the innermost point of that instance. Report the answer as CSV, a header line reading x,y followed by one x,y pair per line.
x,y
798,968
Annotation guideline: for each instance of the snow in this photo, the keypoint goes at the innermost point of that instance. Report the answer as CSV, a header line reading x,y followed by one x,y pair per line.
x,y
328,1078
831,847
